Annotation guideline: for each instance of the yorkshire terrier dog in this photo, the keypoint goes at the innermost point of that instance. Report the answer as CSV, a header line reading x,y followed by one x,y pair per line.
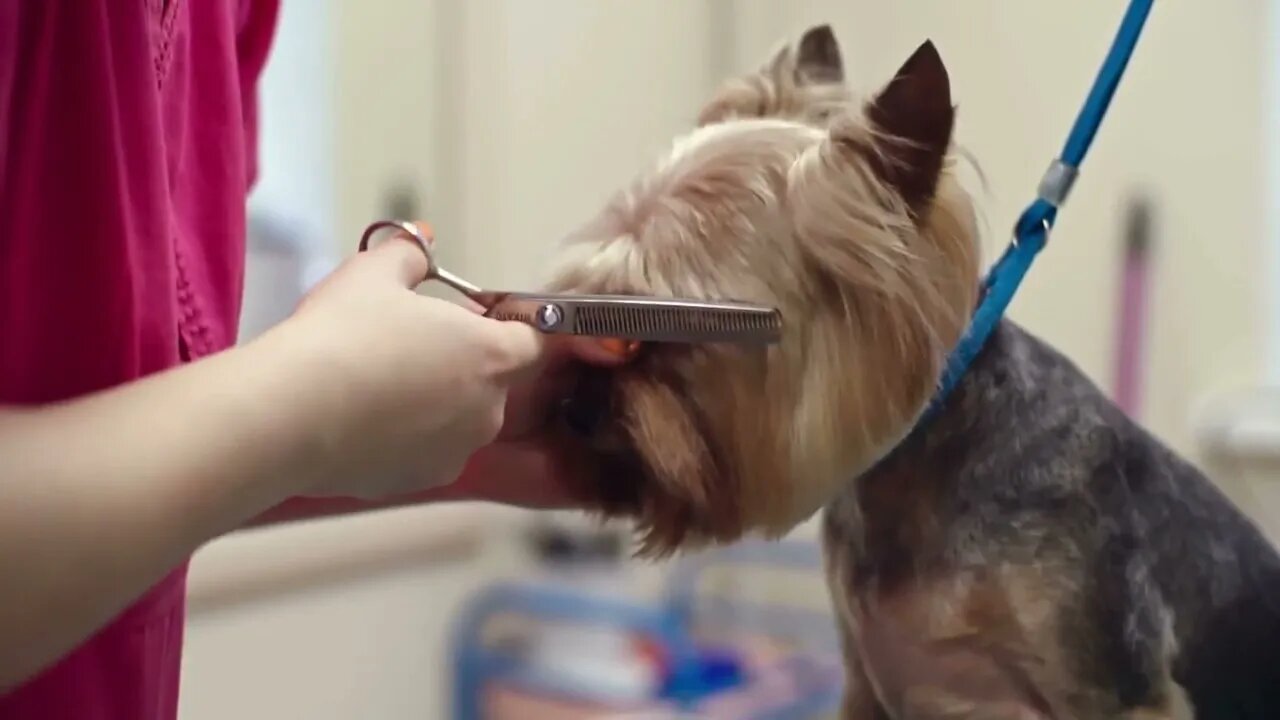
x,y
1027,551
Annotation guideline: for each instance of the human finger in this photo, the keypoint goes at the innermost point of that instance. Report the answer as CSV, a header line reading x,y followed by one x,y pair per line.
x,y
523,349
532,474
399,258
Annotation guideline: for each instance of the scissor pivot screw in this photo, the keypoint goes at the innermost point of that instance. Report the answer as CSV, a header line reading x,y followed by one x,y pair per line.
x,y
550,316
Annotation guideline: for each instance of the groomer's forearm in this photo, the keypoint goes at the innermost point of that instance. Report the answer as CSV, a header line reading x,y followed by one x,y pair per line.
x,y
304,508
469,487
480,481
101,497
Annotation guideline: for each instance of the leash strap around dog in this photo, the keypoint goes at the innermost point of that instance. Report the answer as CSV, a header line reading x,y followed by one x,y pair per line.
x,y
1031,232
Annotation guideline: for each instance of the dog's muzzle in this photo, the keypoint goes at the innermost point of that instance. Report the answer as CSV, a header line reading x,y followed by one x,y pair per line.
x,y
587,408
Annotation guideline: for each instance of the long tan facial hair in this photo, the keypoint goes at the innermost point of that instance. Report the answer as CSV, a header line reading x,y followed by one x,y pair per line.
x,y
846,216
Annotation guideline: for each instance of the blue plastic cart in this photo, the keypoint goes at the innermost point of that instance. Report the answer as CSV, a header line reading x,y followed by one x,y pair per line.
x,y
790,665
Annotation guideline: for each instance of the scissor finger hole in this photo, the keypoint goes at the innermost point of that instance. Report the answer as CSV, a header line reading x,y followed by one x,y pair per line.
x,y
425,239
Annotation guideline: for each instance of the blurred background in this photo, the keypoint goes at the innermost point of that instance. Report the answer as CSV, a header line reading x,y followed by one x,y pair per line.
x,y
507,122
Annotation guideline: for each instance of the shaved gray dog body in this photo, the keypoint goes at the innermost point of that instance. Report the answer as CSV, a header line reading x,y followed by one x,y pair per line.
x,y
1032,495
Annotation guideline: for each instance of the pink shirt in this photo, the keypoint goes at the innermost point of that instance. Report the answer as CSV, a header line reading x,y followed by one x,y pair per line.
x,y
127,131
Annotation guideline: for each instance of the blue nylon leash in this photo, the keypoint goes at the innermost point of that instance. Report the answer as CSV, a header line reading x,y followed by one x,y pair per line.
x,y
1031,232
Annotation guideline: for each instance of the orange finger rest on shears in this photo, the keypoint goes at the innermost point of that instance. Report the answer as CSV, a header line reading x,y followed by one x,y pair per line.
x,y
624,350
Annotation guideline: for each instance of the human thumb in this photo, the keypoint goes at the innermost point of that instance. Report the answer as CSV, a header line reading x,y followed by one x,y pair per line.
x,y
399,257
524,349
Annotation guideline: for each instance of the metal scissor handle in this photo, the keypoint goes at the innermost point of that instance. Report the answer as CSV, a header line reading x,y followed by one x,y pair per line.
x,y
434,271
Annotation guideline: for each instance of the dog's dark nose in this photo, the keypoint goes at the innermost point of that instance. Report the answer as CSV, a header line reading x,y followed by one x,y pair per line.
x,y
581,415
584,411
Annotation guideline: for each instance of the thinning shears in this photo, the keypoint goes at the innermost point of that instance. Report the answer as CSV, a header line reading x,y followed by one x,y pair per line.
x,y
623,317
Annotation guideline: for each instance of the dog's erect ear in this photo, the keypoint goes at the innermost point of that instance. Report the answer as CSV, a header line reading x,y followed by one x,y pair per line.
x,y
802,79
818,58
914,118
814,59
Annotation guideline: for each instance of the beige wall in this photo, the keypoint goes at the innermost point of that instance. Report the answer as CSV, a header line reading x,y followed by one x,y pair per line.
x,y
1189,128
518,118
1186,127
553,104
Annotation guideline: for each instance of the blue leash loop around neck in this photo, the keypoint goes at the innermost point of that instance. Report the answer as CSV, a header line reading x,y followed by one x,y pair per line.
x,y
1031,232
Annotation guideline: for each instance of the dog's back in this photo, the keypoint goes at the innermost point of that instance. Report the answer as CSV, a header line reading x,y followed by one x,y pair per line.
x,y
1122,567
1213,568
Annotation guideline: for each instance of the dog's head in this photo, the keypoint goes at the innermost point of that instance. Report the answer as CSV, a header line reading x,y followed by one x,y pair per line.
x,y
844,215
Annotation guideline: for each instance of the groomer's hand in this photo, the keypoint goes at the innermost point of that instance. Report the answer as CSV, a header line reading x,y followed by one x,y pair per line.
x,y
532,463
409,386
